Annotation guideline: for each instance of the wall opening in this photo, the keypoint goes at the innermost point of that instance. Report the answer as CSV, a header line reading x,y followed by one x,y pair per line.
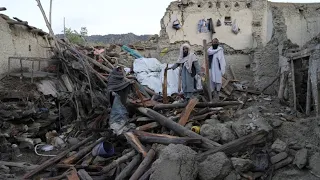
x,y
210,4
199,5
227,21
236,4
226,6
248,5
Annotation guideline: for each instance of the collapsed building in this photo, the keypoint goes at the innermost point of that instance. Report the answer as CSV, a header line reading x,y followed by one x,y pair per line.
x,y
58,122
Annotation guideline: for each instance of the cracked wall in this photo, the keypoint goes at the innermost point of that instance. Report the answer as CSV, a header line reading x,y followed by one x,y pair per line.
x,y
18,41
293,25
267,30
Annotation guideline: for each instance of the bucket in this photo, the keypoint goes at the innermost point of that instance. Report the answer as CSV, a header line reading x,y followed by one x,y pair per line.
x,y
196,129
104,149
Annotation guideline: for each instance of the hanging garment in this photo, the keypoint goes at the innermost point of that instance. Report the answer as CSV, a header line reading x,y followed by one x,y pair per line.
x,y
218,23
211,26
217,65
176,25
202,26
235,28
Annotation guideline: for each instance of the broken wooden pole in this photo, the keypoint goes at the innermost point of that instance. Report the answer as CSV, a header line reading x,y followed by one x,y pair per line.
x,y
115,163
187,111
135,143
3,8
238,144
165,86
146,175
82,152
308,99
293,85
206,60
165,139
145,163
57,158
182,131
198,105
148,126
127,170
83,174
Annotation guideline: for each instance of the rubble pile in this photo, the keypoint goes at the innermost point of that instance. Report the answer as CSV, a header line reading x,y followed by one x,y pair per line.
x,y
69,124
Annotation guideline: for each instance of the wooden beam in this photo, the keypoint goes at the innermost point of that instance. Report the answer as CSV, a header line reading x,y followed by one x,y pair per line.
x,y
57,158
165,86
148,126
145,163
238,144
187,111
308,99
127,170
135,143
305,52
198,105
164,138
207,69
293,86
182,131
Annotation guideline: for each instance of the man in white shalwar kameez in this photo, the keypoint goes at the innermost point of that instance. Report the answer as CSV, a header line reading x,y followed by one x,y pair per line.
x,y
217,67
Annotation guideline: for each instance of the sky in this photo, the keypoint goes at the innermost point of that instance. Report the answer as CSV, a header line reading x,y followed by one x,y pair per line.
x,y
99,16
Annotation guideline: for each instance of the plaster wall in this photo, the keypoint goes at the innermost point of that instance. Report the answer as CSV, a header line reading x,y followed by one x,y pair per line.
x,y
18,41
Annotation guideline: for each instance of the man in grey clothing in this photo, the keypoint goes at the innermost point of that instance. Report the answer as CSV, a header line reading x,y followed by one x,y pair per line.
x,y
190,67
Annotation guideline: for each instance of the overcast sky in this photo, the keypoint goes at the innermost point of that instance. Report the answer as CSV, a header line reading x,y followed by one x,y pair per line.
x,y
99,16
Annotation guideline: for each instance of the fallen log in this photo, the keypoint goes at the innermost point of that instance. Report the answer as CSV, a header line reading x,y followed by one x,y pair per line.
x,y
57,158
127,170
23,165
182,131
84,175
145,163
114,163
90,167
165,86
82,152
238,144
165,139
187,111
148,126
198,105
135,143
73,175
146,175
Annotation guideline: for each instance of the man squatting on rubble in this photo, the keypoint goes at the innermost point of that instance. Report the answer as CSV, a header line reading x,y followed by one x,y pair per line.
x,y
190,67
217,67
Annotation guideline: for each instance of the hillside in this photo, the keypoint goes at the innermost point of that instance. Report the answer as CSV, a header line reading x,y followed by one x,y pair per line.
x,y
115,38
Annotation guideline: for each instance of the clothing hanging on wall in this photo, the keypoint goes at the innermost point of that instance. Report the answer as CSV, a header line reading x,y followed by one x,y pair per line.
x,y
211,26
202,26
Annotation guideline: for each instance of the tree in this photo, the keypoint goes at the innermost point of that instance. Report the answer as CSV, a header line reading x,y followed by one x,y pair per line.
x,y
77,38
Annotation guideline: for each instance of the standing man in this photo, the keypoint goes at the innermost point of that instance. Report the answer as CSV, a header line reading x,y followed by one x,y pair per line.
x,y
190,68
217,67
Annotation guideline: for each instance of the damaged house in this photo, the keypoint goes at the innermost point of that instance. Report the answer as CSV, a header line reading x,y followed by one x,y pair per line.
x,y
115,111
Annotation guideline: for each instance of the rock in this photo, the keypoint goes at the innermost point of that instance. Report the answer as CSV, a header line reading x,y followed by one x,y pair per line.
x,y
231,176
278,157
226,133
73,141
210,132
175,162
245,126
300,159
314,163
260,161
212,122
4,169
242,165
293,174
279,146
214,167
277,123
283,163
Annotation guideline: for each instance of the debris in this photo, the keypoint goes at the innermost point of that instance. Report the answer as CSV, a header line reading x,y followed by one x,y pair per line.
x,y
314,164
283,163
279,146
175,162
279,157
242,165
127,170
301,158
221,169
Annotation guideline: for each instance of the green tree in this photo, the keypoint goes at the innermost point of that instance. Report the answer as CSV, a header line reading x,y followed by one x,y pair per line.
x,y
74,37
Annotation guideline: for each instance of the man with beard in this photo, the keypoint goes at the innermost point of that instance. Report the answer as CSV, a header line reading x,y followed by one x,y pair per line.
x,y
190,68
217,67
